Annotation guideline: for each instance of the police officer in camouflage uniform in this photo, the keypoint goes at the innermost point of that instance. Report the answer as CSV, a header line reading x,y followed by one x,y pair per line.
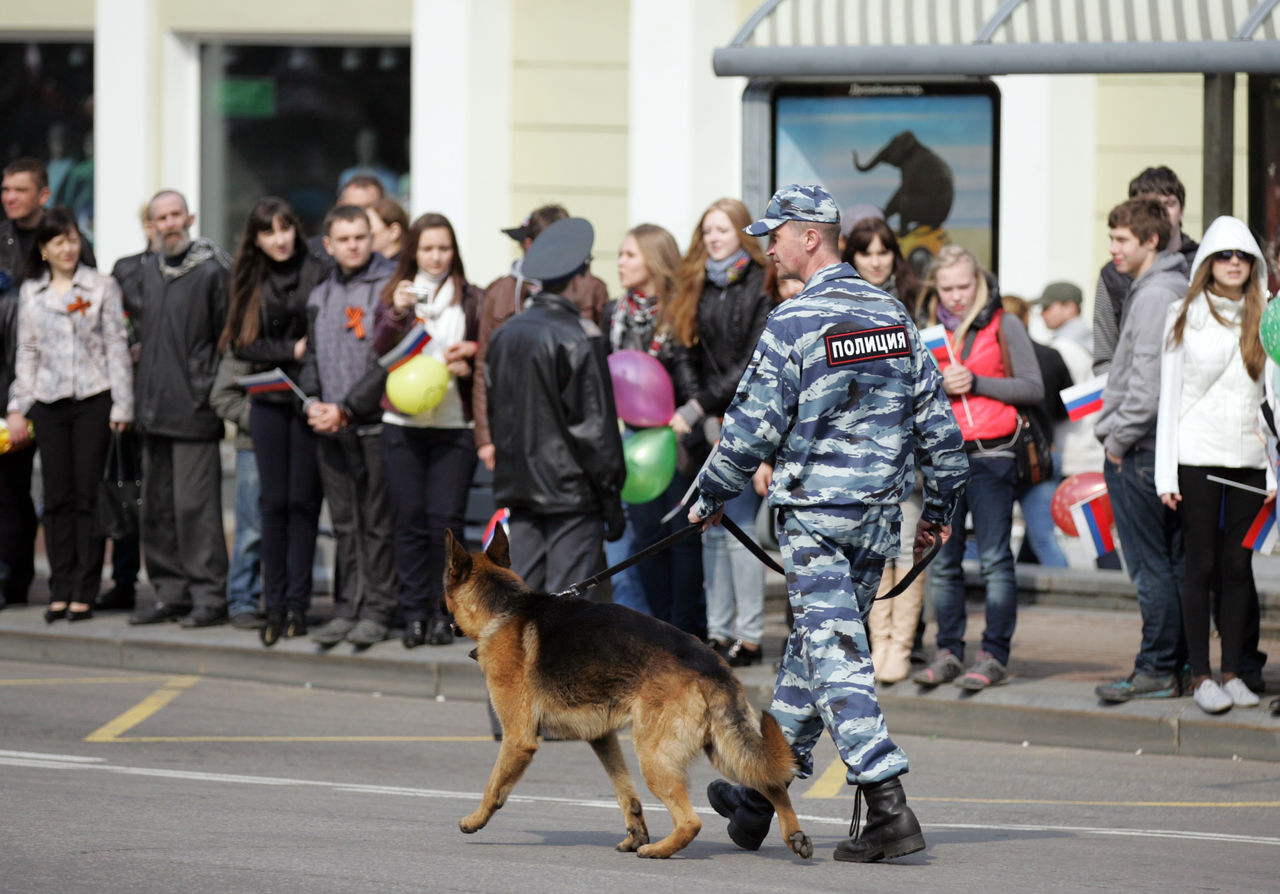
x,y
842,390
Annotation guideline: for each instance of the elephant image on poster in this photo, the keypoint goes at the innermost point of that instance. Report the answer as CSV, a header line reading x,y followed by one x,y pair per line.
x,y
928,188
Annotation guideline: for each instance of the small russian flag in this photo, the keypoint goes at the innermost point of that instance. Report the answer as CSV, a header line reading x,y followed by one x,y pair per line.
x,y
1084,399
1263,534
501,517
410,346
1093,527
935,339
271,380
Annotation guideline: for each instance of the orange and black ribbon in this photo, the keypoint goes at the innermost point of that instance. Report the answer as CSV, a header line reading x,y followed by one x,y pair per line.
x,y
355,320
79,305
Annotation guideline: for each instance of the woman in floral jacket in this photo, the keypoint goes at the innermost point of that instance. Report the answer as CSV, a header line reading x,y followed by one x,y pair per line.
x,y
75,384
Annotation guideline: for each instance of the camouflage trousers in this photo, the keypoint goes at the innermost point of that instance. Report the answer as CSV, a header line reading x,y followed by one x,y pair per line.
x,y
826,678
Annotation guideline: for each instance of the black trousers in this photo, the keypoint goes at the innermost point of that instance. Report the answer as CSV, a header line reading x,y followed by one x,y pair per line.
x,y
552,552
360,509
183,542
1204,503
72,436
18,524
288,471
429,472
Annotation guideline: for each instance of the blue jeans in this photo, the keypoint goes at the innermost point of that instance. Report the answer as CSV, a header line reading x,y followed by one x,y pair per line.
x,y
626,583
671,581
1151,537
733,578
244,577
989,496
1038,517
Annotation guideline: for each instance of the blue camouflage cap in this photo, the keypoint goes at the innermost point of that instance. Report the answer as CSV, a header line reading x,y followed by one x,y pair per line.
x,y
795,202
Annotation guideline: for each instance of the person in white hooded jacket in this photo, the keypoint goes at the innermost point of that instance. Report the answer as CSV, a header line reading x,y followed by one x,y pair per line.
x,y
1212,377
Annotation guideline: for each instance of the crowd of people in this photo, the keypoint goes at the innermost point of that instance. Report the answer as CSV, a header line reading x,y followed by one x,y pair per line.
x,y
150,360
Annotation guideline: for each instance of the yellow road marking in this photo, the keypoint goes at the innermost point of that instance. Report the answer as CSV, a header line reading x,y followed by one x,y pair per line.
x,y
109,731
831,783
55,681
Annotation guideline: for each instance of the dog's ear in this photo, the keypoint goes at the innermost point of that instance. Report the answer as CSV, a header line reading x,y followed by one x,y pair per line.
x,y
499,551
457,559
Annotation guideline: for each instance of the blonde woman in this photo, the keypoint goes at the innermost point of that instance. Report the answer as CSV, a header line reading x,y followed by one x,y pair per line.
x,y
985,392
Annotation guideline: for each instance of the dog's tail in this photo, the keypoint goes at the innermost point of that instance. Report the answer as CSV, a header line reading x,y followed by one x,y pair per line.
x,y
750,753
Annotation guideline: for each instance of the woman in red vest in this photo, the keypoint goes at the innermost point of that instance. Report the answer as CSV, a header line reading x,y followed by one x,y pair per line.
x,y
988,370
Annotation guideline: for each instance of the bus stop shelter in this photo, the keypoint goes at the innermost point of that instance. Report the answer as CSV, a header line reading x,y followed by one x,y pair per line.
x,y
787,41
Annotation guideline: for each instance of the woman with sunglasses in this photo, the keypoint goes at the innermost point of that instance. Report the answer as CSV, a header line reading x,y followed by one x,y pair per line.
x,y
1211,384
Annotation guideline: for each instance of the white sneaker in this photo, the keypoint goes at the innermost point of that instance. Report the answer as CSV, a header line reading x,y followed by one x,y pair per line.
x,y
1211,699
1241,694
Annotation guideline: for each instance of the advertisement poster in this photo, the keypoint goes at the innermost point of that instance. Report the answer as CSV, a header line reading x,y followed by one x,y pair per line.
x,y
926,156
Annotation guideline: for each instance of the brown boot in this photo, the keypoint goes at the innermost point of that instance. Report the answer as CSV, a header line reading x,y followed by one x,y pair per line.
x,y
880,623
896,664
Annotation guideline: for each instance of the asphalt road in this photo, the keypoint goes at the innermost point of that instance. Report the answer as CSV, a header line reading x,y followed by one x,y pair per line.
x,y
114,781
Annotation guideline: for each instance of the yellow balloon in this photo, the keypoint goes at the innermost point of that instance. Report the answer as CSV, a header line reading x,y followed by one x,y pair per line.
x,y
418,385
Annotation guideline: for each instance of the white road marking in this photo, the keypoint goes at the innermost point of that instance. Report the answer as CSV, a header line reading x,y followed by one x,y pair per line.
x,y
63,762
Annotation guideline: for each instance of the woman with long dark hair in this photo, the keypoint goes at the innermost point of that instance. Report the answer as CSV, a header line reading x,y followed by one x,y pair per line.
x,y
1211,384
893,625
717,315
429,458
273,275
872,249
74,380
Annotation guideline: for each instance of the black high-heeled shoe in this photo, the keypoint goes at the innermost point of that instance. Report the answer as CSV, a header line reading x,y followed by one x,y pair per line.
x,y
295,624
73,615
271,631
54,614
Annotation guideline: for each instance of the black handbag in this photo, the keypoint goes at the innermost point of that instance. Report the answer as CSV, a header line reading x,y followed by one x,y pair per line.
x,y
1032,451
118,510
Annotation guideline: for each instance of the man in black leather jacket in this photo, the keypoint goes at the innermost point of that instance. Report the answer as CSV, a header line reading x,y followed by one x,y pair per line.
x,y
558,453
17,512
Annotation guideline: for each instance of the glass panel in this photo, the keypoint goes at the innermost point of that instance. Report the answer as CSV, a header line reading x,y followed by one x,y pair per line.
x,y
296,121
46,112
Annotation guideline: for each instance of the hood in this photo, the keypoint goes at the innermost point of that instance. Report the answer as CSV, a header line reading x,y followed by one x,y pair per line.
x,y
1226,233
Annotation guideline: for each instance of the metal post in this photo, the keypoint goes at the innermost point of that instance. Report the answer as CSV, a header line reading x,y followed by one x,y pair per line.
x,y
1219,144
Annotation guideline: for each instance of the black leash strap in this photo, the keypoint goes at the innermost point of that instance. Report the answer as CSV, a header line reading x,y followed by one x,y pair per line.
x,y
925,558
754,548
595,580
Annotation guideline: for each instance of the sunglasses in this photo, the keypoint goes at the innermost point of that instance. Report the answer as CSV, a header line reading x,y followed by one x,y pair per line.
x,y
1227,255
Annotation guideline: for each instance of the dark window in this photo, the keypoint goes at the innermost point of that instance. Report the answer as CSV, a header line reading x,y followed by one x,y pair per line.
x,y
293,121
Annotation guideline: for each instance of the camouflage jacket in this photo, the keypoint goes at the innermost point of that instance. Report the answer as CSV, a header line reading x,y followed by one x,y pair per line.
x,y
842,390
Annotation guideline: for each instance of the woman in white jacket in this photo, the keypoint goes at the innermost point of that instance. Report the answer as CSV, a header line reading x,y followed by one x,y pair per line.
x,y
1211,385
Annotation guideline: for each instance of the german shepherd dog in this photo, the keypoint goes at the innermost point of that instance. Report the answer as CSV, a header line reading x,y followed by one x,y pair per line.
x,y
586,670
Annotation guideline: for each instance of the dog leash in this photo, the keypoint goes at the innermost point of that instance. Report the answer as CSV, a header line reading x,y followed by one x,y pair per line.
x,y
581,587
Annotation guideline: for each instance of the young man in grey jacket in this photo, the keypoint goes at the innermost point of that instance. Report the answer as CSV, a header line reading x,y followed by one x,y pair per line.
x,y
1149,532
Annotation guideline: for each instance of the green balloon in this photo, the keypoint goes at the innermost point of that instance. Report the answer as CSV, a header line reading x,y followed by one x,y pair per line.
x,y
1269,330
651,463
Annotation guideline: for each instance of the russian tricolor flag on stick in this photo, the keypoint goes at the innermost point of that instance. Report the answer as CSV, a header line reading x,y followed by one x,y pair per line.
x,y
501,517
1262,534
410,346
1083,399
935,339
271,380
1094,531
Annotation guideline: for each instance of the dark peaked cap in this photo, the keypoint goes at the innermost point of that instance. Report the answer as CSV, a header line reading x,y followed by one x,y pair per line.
x,y
559,251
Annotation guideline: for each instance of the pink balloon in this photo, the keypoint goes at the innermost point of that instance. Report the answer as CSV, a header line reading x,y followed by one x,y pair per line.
x,y
642,389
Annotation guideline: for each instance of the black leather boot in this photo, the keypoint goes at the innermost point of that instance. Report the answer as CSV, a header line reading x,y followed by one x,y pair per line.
x,y
891,829
749,813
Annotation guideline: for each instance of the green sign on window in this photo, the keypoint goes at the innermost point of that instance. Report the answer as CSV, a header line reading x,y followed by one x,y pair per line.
x,y
249,98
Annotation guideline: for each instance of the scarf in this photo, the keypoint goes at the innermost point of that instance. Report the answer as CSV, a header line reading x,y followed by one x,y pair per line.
x,y
635,324
200,250
436,295
724,273
948,319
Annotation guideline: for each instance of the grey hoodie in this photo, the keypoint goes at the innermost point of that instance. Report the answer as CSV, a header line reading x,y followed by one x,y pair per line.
x,y
1132,396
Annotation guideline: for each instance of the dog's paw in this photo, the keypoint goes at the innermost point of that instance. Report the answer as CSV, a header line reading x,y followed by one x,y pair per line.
x,y
473,823
800,844
634,841
653,852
